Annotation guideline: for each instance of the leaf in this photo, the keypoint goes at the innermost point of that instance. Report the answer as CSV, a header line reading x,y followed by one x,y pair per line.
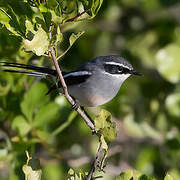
x,y
21,125
104,144
105,126
92,7
39,44
129,175
29,29
168,63
17,12
58,37
71,172
33,99
5,83
85,3
32,169
145,177
173,104
72,175
53,170
4,17
140,129
9,20
168,177
44,135
96,4
72,40
46,114
102,119
74,37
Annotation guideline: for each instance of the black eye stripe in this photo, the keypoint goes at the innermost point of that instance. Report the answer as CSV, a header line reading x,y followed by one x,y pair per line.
x,y
116,69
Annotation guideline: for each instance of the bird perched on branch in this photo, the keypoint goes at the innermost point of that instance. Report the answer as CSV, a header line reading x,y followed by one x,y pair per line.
x,y
92,84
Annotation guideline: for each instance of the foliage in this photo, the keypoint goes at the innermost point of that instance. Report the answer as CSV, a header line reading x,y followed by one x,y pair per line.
x,y
32,169
146,110
132,174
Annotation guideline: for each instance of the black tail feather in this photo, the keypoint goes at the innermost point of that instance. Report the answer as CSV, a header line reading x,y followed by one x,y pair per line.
x,y
31,73
42,70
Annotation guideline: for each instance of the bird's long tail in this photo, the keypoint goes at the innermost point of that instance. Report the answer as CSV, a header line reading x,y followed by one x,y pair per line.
x,y
42,72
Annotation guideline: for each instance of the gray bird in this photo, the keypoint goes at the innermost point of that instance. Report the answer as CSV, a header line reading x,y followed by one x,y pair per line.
x,y
92,84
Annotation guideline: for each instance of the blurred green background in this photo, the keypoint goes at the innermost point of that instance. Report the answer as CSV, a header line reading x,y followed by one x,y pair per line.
x,y
146,110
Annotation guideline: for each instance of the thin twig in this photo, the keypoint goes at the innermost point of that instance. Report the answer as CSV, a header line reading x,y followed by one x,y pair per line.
x,y
64,86
77,16
94,164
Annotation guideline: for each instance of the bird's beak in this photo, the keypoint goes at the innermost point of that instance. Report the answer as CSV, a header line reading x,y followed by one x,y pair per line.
x,y
134,72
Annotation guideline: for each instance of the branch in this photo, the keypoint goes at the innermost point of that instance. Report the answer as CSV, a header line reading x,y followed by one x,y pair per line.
x,y
64,86
77,16
94,164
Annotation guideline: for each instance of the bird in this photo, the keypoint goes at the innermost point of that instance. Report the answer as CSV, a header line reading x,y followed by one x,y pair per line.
x,y
92,84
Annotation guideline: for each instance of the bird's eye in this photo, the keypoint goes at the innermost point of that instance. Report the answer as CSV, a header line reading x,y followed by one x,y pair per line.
x,y
120,68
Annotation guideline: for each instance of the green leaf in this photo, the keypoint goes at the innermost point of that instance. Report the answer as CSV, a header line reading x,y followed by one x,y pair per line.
x,y
44,135
58,37
9,20
104,144
168,177
145,160
105,126
174,173
140,129
92,7
29,29
4,17
5,83
72,175
21,125
17,12
96,4
56,19
173,104
145,177
129,175
72,40
102,119
39,44
85,3
33,99
74,37
168,63
53,170
46,114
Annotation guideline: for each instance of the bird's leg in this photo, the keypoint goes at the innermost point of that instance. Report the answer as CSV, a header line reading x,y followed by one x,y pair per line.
x,y
76,105
82,107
